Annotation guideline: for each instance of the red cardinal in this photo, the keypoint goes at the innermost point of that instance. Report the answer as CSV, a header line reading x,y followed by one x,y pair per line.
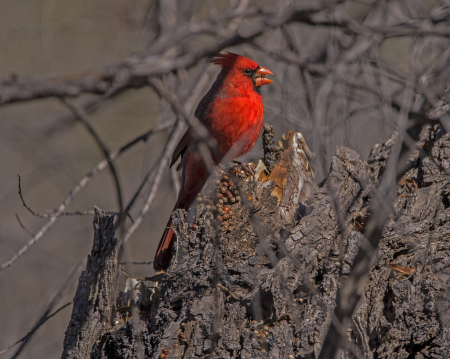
x,y
233,113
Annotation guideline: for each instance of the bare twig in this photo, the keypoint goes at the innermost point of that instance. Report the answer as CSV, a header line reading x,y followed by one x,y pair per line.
x,y
22,225
137,262
90,105
207,144
162,165
352,289
53,214
175,181
164,160
73,276
79,186
30,334
133,72
82,116
147,179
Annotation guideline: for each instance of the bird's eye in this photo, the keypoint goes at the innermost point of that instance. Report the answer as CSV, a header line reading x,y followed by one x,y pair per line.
x,y
248,72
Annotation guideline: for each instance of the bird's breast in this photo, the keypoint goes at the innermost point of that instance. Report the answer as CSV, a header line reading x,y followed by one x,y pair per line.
x,y
235,122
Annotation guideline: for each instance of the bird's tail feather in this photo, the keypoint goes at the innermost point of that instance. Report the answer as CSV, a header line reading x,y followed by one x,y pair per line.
x,y
164,252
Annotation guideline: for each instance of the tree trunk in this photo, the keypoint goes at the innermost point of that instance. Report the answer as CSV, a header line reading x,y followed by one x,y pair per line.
x,y
263,282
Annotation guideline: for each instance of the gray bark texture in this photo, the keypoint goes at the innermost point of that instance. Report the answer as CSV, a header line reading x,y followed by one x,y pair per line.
x,y
259,285
94,302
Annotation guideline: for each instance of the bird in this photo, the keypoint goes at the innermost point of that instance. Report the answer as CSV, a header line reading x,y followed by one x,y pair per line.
x,y
233,113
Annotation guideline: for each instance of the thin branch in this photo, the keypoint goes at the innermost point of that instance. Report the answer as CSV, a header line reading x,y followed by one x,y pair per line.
x,y
208,26
30,334
239,36
23,200
175,181
150,175
79,186
170,146
91,105
137,262
407,29
53,214
134,71
22,225
73,276
352,288
82,116
207,145
36,237
87,212
194,91
162,165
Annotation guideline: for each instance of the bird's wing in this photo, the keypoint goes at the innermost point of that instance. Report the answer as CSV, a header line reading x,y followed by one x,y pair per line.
x,y
200,112
181,147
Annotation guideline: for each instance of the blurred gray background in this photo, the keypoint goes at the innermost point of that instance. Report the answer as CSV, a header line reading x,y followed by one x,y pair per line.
x,y
53,38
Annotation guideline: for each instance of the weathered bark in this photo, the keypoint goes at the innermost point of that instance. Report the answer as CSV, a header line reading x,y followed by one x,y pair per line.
x,y
94,302
256,286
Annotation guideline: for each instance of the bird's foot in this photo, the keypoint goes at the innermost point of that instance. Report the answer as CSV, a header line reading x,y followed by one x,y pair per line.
x,y
246,168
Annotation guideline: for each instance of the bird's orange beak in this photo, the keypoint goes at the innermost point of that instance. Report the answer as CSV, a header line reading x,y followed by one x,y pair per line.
x,y
260,78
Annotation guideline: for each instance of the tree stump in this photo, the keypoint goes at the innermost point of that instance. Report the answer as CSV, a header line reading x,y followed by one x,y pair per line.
x,y
263,283
94,302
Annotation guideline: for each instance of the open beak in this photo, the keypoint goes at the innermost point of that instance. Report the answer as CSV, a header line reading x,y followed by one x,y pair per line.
x,y
260,78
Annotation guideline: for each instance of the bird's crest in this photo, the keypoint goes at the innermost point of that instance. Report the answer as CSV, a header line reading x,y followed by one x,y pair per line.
x,y
230,59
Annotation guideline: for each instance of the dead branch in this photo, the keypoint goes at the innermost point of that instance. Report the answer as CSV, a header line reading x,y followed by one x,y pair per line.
x,y
162,165
49,215
55,299
82,116
30,334
134,71
80,185
353,288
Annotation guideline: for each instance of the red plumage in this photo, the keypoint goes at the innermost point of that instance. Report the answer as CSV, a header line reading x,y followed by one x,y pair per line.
x,y
233,113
